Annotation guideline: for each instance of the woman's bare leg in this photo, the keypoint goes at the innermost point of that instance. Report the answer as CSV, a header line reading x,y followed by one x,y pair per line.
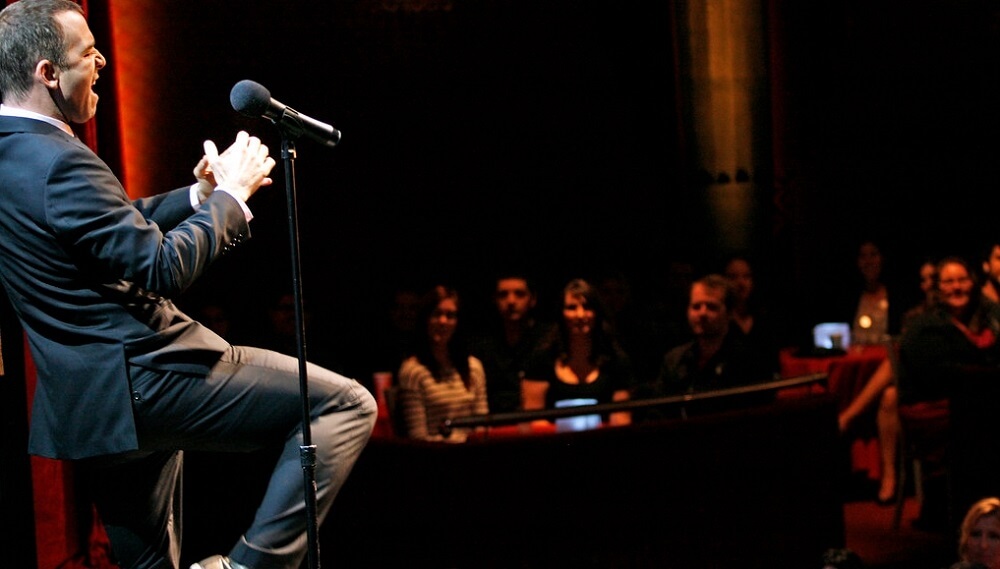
x,y
888,437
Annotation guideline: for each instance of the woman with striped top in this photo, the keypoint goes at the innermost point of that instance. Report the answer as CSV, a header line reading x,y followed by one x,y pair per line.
x,y
441,380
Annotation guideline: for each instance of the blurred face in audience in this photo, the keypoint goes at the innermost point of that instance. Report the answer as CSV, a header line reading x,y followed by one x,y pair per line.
x,y
870,262
514,299
442,322
578,315
927,271
707,314
615,292
282,316
215,318
983,544
405,310
955,287
740,278
991,266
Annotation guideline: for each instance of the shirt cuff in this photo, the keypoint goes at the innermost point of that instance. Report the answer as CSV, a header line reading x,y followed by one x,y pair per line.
x,y
195,196
195,201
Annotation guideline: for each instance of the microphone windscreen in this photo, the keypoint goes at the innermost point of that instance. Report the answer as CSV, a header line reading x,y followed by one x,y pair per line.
x,y
250,98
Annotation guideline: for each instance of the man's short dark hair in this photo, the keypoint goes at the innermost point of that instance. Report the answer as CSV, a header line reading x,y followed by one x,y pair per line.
x,y
30,33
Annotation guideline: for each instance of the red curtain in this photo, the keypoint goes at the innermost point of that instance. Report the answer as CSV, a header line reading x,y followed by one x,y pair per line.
x,y
68,533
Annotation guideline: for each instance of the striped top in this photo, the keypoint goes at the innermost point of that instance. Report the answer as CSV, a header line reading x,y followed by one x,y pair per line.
x,y
427,401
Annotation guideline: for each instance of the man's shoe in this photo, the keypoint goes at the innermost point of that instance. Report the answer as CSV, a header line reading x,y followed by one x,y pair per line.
x,y
218,562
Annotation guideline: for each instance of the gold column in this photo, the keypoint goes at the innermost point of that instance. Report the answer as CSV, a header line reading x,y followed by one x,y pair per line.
x,y
724,77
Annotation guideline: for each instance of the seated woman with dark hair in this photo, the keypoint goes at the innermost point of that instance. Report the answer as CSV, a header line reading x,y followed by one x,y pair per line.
x,y
881,386
582,361
441,381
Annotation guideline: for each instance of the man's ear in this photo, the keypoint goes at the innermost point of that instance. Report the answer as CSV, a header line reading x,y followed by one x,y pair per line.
x,y
47,74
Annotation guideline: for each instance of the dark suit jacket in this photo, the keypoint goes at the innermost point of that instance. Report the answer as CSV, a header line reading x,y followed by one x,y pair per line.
x,y
90,273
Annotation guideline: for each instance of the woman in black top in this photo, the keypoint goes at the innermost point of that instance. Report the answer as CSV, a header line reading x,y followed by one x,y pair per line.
x,y
582,360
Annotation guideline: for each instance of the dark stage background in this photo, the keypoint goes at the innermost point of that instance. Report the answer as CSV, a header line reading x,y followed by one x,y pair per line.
x,y
476,135
548,135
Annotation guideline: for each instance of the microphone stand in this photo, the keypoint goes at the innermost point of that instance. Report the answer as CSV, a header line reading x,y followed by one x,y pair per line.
x,y
307,451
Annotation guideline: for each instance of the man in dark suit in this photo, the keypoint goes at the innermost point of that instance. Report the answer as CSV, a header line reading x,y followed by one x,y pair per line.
x,y
126,381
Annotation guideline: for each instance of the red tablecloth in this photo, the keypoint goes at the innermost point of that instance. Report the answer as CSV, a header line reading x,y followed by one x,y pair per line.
x,y
847,376
847,373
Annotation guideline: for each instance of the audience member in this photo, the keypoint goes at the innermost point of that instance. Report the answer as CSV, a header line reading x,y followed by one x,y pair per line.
x,y
882,386
280,332
668,308
749,314
214,315
951,352
512,337
718,357
582,360
632,321
392,335
927,286
957,334
991,272
979,535
441,380
875,318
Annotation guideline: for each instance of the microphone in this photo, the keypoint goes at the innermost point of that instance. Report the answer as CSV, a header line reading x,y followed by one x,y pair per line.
x,y
253,100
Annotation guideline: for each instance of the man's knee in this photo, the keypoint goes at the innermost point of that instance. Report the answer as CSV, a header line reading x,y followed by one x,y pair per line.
x,y
368,407
358,405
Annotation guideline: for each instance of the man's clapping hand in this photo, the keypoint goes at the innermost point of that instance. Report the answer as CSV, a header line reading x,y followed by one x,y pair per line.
x,y
241,169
